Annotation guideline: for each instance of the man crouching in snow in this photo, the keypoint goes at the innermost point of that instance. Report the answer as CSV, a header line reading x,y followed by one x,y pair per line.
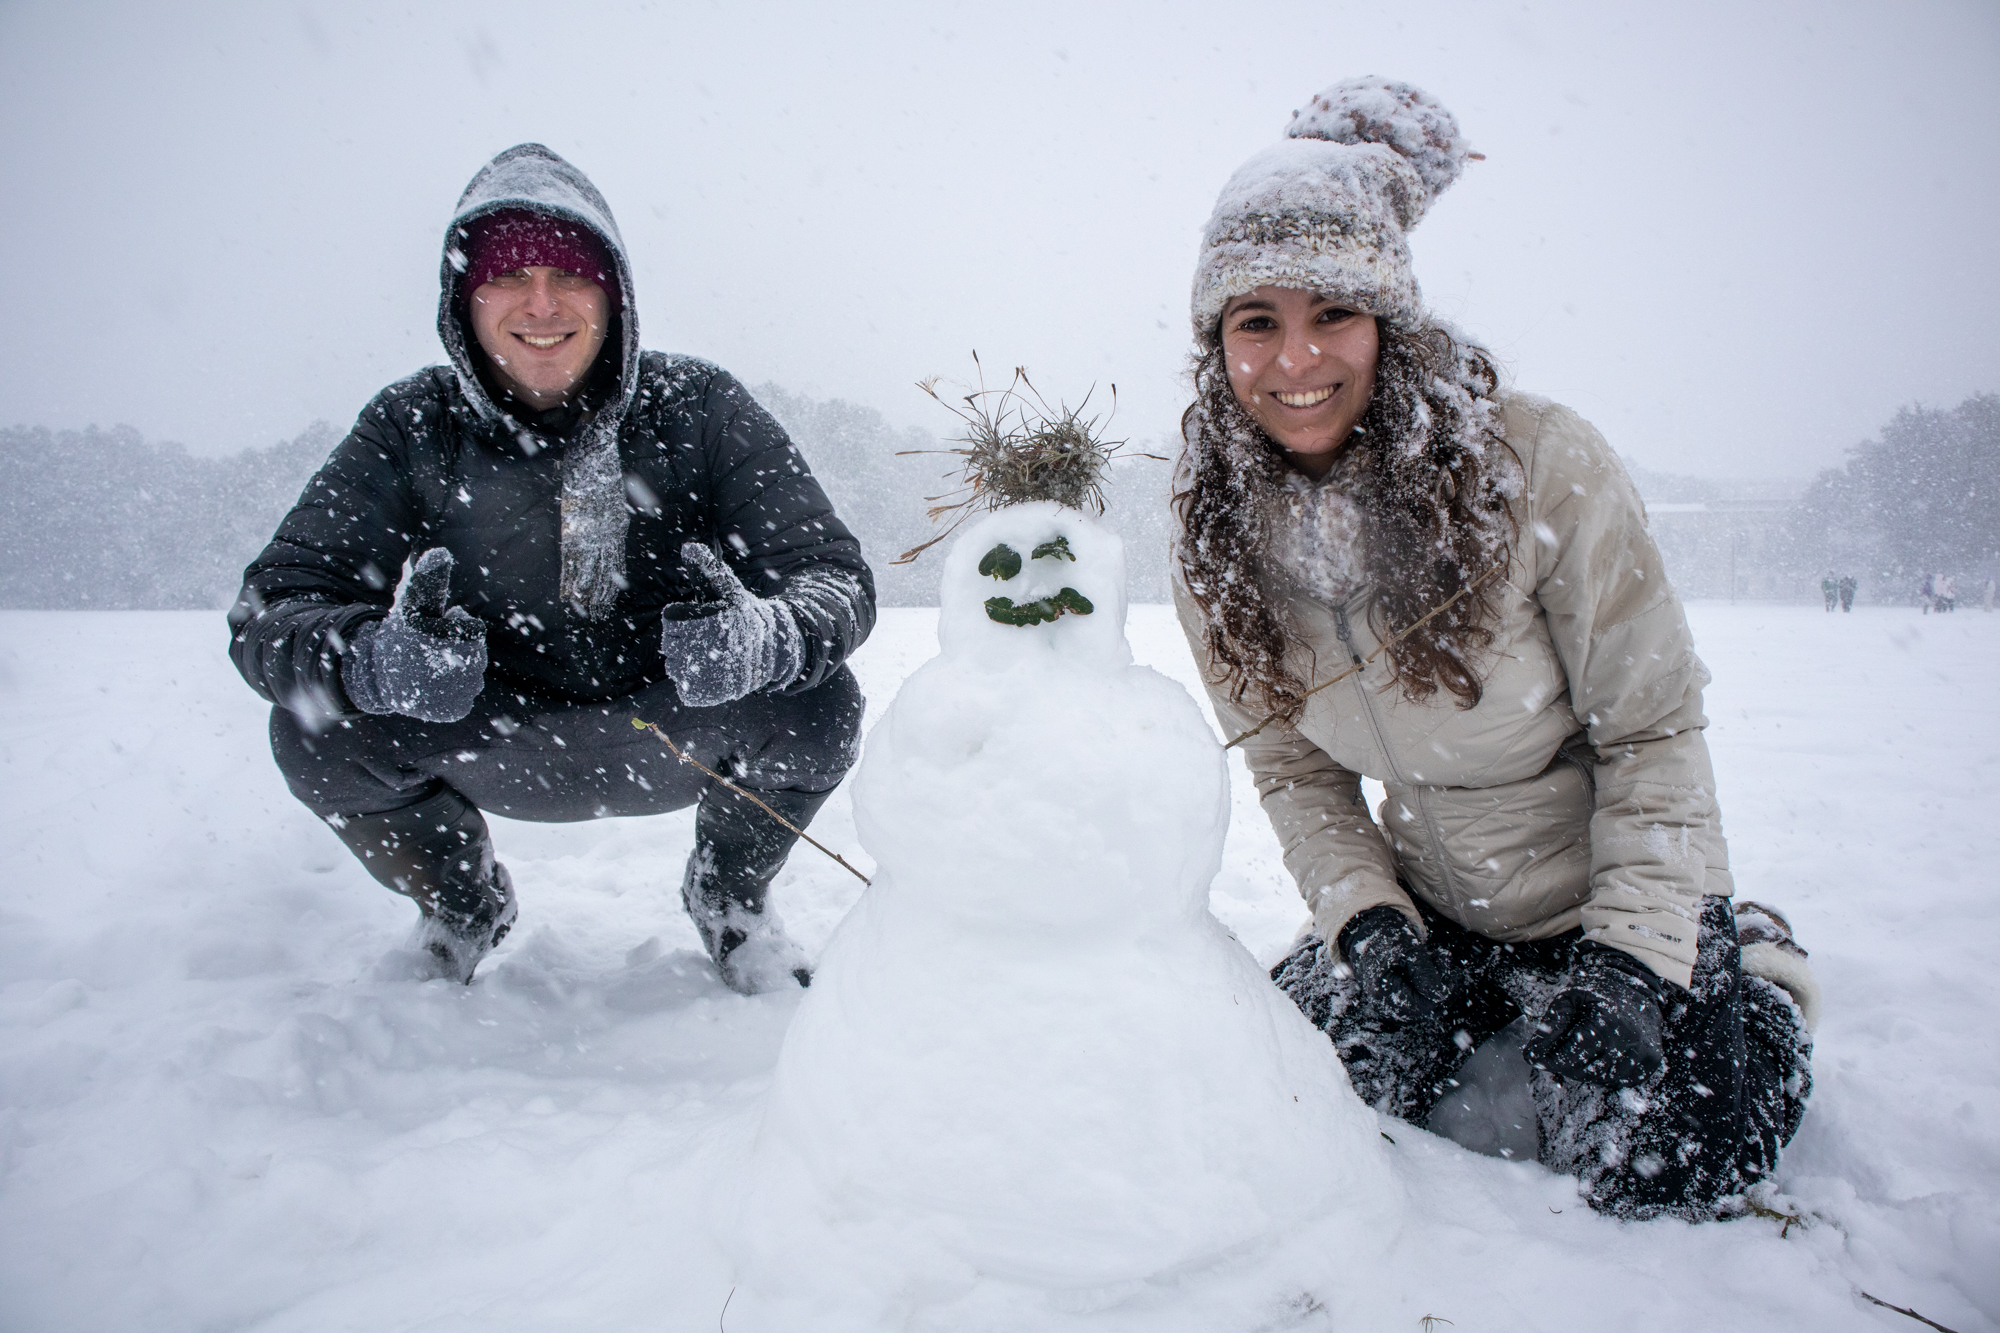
x,y
595,533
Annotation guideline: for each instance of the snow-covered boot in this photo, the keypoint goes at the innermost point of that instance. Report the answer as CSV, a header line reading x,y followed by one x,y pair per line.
x,y
1781,1009
1770,952
437,854
751,950
456,935
738,851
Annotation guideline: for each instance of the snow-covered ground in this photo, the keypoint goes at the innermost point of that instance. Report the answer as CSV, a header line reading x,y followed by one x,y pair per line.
x,y
221,1108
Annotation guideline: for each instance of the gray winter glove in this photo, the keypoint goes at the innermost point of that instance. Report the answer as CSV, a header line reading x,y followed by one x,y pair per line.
x,y
1400,983
1604,1025
421,660
732,644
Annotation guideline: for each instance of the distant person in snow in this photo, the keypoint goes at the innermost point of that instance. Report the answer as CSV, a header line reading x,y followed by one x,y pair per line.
x,y
595,533
1389,566
1829,588
1986,597
1848,585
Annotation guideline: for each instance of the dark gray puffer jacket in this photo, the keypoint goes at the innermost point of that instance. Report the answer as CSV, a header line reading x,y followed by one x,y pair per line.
x,y
566,525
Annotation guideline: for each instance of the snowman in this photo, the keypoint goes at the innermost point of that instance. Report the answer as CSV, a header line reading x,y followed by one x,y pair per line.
x,y
1030,1056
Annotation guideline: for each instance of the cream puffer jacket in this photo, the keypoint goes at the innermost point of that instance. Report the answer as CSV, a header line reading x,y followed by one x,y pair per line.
x,y
1577,792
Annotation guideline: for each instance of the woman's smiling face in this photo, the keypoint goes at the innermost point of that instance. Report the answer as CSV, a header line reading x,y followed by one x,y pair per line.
x,y
1303,366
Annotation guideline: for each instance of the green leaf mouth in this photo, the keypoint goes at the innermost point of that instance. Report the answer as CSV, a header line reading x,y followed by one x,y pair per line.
x,y
1041,611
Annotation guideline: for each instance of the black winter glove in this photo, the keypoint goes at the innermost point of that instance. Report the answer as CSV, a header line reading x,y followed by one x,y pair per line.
x,y
1604,1025
733,644
420,660
1400,983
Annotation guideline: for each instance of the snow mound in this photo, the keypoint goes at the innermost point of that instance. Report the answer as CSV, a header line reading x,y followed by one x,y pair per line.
x,y
1030,1055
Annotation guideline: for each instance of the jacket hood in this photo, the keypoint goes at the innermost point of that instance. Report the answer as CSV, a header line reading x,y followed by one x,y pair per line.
x,y
529,176
595,520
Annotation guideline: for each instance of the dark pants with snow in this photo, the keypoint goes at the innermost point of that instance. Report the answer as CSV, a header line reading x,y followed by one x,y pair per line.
x,y
406,796
1703,1129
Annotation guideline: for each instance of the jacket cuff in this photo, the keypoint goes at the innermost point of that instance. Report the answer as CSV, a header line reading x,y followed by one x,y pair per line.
x,y
831,609
355,678
301,659
788,646
1596,953
1659,939
1358,891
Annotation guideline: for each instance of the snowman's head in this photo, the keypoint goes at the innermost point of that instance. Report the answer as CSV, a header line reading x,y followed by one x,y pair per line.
x,y
1035,582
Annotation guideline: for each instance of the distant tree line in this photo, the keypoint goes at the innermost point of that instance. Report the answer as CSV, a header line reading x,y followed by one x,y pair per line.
x,y
106,520
102,519
1921,498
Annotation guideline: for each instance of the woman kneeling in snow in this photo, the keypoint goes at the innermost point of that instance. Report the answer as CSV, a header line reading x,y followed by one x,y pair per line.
x,y
1389,567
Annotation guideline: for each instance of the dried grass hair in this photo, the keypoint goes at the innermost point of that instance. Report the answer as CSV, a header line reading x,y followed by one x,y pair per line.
x,y
1017,449
1436,476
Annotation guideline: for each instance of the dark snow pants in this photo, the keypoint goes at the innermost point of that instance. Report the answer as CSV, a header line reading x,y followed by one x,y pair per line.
x,y
1699,1132
406,796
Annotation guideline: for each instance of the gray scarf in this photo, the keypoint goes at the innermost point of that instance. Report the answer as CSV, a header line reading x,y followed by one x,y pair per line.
x,y
1315,530
594,518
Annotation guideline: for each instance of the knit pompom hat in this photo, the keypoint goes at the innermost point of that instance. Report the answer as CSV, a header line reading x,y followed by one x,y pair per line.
x,y
1327,209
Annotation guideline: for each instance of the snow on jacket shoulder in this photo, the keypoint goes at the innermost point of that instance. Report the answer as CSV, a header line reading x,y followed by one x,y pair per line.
x,y
1577,792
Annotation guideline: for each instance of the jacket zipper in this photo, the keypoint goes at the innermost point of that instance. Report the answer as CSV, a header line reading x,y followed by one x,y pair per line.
x,y
1340,628
1345,633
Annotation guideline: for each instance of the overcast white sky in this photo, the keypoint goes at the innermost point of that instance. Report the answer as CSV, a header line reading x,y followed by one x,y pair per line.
x,y
1736,236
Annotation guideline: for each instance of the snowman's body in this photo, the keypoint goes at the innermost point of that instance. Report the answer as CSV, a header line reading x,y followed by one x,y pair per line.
x,y
1030,1053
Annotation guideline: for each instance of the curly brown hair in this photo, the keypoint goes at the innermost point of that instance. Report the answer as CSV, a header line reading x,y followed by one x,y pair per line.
x,y
1435,479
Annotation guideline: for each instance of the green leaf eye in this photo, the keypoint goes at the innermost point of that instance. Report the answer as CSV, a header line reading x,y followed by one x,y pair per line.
x,y
1002,562
1055,549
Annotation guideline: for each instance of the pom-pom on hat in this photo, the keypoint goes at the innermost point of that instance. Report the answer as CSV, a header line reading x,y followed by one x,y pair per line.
x,y
522,238
1326,210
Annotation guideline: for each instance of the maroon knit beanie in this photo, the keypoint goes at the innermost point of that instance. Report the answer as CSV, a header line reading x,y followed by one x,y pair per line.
x,y
519,238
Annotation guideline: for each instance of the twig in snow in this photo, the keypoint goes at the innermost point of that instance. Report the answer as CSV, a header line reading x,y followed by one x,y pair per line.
x,y
1780,1216
1911,1313
722,1327
687,758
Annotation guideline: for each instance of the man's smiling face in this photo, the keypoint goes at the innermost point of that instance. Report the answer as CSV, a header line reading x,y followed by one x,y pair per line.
x,y
542,328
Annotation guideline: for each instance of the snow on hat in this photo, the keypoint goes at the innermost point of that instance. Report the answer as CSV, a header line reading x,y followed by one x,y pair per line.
x,y
1326,210
522,238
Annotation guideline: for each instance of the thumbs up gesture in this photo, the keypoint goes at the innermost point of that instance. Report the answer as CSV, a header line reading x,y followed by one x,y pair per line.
x,y
426,659
732,642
